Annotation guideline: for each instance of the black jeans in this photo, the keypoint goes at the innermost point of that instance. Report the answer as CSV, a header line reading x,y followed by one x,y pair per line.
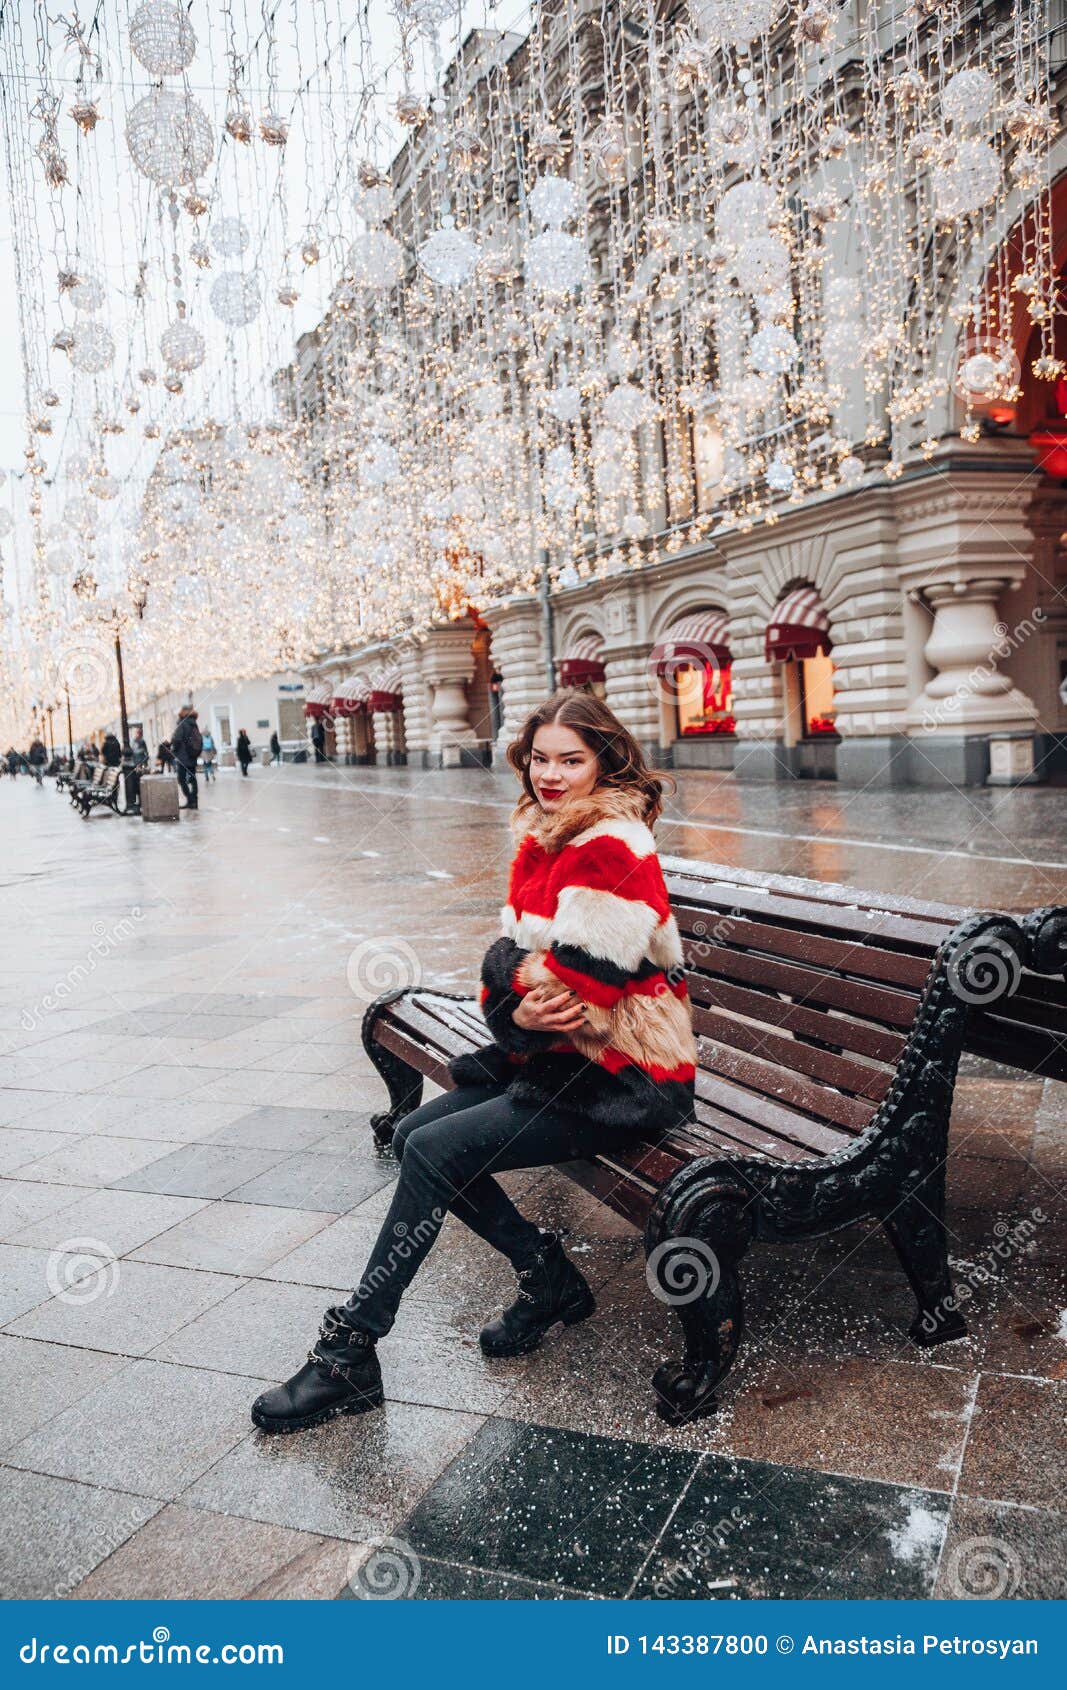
x,y
448,1150
187,782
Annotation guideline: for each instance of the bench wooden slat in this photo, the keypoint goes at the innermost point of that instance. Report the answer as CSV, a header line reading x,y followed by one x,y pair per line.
x,y
834,1031
413,1053
1038,1051
773,1118
846,956
842,1072
857,919
413,1018
810,986
781,1085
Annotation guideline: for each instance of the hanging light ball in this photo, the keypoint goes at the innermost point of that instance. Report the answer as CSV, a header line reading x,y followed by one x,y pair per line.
x,y
83,585
50,398
548,146
966,177
850,471
200,254
309,251
780,475
182,346
469,149
556,262
86,114
772,351
410,109
762,264
375,260
93,349
87,294
449,255
236,298
273,129
608,149
373,202
733,23
553,201
565,402
229,237
170,138
815,22
968,96
835,141
381,465
627,407
748,205
634,526
238,121
161,37
287,295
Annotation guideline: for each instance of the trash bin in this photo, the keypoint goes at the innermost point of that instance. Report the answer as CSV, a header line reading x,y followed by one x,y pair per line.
x,y
159,798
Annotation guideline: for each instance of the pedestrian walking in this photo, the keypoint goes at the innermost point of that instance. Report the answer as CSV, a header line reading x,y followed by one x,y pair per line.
x,y
38,757
139,750
592,1050
209,755
111,751
165,755
11,761
244,751
185,744
318,739
275,748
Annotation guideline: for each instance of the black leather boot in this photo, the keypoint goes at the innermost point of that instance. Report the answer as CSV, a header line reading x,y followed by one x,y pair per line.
x,y
550,1289
341,1376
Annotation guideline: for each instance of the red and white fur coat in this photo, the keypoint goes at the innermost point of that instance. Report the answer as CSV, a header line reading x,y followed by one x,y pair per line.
x,y
587,907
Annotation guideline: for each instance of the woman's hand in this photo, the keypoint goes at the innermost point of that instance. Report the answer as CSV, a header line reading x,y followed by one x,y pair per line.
x,y
548,1009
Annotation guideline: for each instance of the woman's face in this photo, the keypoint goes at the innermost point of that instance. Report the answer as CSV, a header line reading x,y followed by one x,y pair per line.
x,y
562,766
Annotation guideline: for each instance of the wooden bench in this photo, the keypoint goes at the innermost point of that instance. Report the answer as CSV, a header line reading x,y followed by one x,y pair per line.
x,y
830,1023
102,789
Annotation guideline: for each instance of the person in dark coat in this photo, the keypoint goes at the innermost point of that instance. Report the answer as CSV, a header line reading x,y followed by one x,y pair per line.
x,y
244,751
186,743
275,748
139,749
36,760
318,740
112,752
165,755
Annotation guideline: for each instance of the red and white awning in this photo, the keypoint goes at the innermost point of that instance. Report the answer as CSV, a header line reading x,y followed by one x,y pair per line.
x,y
349,695
317,700
799,627
701,636
386,690
584,661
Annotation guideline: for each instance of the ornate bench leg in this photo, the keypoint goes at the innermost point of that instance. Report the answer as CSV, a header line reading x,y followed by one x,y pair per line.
x,y
403,1083
692,1250
916,1228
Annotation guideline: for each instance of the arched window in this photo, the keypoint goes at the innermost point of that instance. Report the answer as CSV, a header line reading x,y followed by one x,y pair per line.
x,y
798,637
693,660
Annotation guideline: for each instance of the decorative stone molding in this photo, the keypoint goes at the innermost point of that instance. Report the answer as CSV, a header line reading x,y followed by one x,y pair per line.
x,y
518,653
448,668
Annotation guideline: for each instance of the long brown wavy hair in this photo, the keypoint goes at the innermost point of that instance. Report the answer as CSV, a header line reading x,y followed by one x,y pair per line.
x,y
622,762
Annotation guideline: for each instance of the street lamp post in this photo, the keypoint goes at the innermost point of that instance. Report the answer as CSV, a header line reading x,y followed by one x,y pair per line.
x,y
48,709
126,751
70,729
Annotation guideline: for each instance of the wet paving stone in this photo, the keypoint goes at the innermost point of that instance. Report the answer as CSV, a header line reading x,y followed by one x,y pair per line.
x,y
201,1170
1016,1448
994,1552
752,1529
311,1181
56,1531
38,1381
124,1306
443,1581
292,1129
552,1506
241,1238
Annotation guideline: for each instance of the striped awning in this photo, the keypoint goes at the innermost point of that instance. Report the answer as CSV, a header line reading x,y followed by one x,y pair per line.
x,y
386,690
348,695
799,627
701,636
583,662
317,700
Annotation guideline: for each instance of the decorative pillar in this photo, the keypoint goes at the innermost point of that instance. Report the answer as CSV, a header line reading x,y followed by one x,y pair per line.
x,y
518,654
388,737
631,683
416,704
964,548
448,667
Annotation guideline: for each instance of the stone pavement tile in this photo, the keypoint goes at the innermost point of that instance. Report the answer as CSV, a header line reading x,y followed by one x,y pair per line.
x,y
174,1120
16,1105
1027,1329
1050,1130
96,1159
150,1429
201,1170
432,1356
190,1554
303,1058
996,1552
128,1307
77,1077
354,1477
444,1581
1015,1451
343,1090
334,1256
555,1201
752,1530
289,1129
120,1220
994,1117
351,1135
551,1506
161,1081
227,1004
239,1054
19,1145
22,1201
984,1182
244,1238
263,1331
38,1381
29,1277
56,1532
310,1181
95,1112
250,1087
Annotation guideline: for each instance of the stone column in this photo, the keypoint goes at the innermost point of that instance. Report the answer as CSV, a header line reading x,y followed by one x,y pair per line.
x,y
518,653
962,552
631,684
416,705
448,667
387,736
